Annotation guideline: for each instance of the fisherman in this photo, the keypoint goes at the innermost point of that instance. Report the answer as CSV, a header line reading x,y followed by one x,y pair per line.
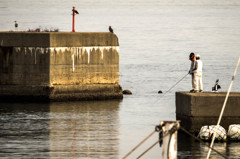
x,y
199,66
193,72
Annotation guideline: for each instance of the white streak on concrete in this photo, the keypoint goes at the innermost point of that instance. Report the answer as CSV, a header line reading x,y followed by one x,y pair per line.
x,y
31,49
101,50
76,50
88,49
41,50
74,53
95,48
25,50
79,52
108,48
58,49
73,62
52,49
62,49
17,49
117,48
35,57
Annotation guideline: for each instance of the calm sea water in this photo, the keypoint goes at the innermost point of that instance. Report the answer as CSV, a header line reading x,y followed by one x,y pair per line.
x,y
156,37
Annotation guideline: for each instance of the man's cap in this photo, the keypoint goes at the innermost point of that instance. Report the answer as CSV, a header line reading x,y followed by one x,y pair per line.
x,y
197,55
191,54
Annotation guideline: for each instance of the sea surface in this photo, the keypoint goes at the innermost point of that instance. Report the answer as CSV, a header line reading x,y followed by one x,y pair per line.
x,y
156,38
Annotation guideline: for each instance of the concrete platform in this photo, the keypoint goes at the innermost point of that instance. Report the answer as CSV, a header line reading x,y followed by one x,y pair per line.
x,y
59,66
198,109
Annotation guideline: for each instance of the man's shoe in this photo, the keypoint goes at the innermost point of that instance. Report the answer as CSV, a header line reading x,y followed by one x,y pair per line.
x,y
201,91
193,91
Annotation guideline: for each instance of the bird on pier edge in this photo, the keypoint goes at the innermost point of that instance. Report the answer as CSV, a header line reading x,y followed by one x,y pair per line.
x,y
110,29
16,25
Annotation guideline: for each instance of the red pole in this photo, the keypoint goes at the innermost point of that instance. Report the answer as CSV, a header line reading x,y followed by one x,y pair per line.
x,y
73,23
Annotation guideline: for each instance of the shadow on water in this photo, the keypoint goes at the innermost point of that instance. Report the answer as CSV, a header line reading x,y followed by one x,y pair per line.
x,y
88,129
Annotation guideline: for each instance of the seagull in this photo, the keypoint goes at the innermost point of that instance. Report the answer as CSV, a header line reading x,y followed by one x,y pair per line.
x,y
110,29
16,25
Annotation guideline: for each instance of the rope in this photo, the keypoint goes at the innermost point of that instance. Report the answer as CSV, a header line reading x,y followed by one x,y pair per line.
x,y
184,130
139,144
171,131
130,152
223,108
149,148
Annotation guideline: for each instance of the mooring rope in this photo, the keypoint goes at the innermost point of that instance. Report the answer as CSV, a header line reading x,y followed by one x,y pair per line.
x,y
160,139
184,130
171,131
187,132
139,144
223,107
149,148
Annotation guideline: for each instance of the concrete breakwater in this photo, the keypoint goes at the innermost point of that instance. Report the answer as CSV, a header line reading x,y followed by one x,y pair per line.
x,y
59,66
198,109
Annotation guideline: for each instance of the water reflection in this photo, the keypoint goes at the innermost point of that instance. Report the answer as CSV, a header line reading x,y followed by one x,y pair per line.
x,y
24,130
59,130
190,148
86,129
233,150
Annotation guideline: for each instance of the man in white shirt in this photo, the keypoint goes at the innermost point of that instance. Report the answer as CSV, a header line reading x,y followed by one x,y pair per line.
x,y
199,66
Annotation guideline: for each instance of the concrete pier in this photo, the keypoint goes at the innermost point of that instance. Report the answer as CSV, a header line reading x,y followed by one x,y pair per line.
x,y
59,66
198,109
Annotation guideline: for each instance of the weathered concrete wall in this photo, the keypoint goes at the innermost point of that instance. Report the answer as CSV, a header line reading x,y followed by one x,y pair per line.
x,y
24,66
198,109
59,61
84,65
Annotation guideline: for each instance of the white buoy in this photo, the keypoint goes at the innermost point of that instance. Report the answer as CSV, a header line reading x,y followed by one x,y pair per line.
x,y
234,132
206,133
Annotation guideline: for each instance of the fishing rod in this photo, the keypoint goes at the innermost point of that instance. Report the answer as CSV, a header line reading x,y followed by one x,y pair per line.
x,y
175,84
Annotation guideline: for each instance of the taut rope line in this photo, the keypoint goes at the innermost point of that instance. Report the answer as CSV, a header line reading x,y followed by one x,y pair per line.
x,y
139,144
187,132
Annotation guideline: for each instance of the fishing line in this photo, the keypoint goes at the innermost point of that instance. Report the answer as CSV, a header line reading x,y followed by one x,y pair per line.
x,y
175,84
171,88
130,152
